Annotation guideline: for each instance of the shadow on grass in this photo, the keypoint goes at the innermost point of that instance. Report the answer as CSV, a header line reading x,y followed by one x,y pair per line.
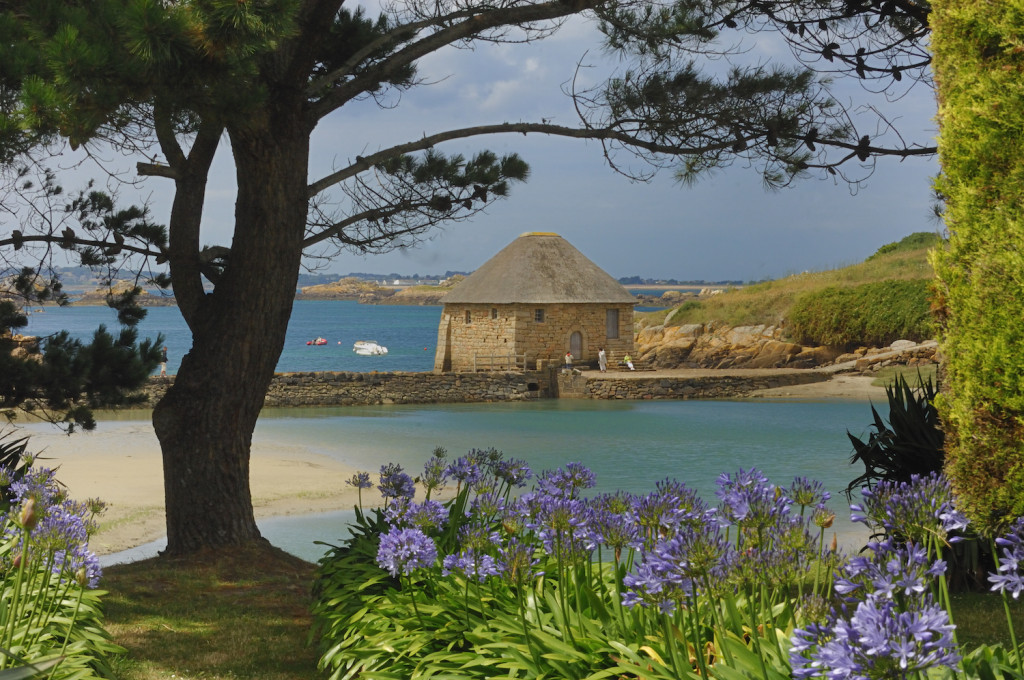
x,y
239,613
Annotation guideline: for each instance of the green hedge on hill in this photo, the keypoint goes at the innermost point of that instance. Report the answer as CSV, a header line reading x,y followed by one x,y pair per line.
x,y
870,314
915,241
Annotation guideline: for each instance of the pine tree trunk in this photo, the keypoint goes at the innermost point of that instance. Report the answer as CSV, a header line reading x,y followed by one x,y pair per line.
x,y
206,419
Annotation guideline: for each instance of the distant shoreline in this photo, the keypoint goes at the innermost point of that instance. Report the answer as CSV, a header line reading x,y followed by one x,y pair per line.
x,y
94,299
687,286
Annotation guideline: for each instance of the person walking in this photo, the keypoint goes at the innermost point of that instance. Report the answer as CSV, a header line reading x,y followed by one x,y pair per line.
x,y
163,363
602,360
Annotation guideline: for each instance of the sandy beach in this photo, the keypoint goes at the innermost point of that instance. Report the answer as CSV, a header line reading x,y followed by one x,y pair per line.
x,y
120,463
843,386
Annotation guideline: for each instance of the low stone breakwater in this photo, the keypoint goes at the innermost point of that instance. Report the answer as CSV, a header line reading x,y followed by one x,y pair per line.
x,y
724,386
357,389
345,388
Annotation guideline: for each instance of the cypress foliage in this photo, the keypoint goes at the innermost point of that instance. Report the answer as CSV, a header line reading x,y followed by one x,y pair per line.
x,y
979,66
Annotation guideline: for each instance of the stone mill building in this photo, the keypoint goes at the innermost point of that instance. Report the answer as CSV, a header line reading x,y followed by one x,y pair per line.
x,y
528,305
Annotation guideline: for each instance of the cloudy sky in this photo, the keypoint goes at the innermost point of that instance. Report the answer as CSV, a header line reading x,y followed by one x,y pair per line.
x,y
725,227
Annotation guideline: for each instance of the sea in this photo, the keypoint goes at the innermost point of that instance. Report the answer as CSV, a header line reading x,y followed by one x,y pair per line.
x,y
630,445
408,331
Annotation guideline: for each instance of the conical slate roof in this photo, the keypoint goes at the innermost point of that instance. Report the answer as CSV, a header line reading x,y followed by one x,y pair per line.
x,y
539,268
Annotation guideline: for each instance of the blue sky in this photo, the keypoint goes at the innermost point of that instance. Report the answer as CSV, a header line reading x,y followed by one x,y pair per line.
x,y
725,227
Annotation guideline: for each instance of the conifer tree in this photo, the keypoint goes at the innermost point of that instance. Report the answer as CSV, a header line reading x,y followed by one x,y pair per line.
x,y
171,79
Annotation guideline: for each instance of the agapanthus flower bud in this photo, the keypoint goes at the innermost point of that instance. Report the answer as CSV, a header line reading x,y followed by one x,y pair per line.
x,y
28,517
823,517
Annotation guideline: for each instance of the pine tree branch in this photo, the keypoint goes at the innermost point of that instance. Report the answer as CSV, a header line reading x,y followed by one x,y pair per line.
x,y
383,71
364,163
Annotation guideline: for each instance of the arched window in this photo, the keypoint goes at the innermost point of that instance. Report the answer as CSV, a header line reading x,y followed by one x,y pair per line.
x,y
576,344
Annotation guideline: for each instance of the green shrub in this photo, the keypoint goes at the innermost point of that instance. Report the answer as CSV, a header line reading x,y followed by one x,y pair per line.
x,y
916,241
871,314
981,289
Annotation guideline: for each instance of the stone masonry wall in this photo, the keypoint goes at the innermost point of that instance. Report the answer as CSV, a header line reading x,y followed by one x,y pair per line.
x,y
484,342
709,387
499,330
356,389
351,388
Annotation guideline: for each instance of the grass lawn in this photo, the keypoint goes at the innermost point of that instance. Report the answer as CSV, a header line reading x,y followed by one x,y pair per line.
x,y
980,619
237,614
244,615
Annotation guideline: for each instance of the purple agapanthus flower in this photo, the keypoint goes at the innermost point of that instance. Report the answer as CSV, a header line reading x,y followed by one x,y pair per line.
x,y
394,483
749,500
669,507
465,471
653,584
513,472
488,505
360,480
425,515
406,550
434,476
879,641
60,527
615,523
696,555
567,481
808,493
1008,577
38,483
561,523
914,511
888,626
472,564
890,568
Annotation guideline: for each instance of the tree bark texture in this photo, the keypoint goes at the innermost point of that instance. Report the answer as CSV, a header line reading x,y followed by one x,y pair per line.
x,y
206,419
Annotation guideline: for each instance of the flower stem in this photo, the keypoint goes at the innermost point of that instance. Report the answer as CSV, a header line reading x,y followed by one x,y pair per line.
x,y
670,643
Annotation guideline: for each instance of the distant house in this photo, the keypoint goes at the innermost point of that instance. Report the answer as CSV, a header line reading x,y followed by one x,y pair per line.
x,y
528,305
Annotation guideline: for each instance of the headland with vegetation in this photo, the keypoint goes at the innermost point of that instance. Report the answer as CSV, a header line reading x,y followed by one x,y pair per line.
x,y
804,320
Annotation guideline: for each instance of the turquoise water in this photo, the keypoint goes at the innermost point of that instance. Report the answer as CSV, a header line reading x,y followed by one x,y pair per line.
x,y
630,445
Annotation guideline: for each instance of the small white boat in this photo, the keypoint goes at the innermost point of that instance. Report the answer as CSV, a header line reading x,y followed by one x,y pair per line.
x,y
368,348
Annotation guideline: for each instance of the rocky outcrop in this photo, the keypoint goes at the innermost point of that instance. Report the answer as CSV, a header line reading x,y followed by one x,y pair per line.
x,y
416,295
21,346
718,345
370,293
670,298
99,296
349,288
